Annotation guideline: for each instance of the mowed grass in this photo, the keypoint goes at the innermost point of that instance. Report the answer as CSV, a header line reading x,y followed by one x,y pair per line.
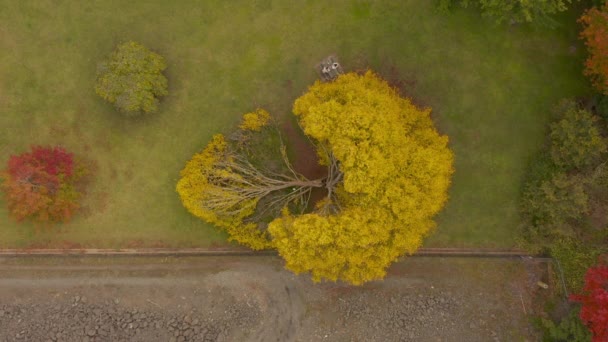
x,y
491,89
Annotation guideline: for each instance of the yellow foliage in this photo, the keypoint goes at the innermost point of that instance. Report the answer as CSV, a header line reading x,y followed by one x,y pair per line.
x,y
391,177
396,171
196,186
355,245
254,121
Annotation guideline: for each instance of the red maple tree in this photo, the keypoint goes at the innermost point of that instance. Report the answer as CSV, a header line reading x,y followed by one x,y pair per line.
x,y
594,299
42,184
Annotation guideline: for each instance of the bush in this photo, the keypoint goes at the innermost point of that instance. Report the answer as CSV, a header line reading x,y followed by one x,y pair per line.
x,y
601,108
569,329
565,193
553,205
132,79
513,11
576,142
575,258
42,184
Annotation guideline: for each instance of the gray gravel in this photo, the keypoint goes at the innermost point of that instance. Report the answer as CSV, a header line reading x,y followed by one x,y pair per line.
x,y
403,317
254,299
79,320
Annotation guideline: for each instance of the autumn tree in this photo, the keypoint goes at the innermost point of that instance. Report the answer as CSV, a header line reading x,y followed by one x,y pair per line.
x,y
594,300
132,79
388,171
43,184
595,35
235,184
395,174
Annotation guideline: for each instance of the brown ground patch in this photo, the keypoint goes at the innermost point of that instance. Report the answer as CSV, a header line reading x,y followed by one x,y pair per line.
x,y
403,82
395,80
304,160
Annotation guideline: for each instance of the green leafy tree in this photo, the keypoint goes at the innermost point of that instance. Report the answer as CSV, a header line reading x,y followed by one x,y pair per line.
x,y
576,256
564,201
576,141
554,206
132,79
516,11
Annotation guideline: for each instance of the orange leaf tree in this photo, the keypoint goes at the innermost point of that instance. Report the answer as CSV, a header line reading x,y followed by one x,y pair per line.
x,y
595,34
41,184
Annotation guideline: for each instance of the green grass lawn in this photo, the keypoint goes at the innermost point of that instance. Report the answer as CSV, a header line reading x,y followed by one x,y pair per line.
x,y
490,88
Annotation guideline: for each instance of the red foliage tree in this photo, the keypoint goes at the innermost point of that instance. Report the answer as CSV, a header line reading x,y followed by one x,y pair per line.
x,y
594,299
41,184
595,34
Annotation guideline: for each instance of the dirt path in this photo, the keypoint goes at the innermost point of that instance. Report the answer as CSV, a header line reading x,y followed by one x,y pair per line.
x,y
254,299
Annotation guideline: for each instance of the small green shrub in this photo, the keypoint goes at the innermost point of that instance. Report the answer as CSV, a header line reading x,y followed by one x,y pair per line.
x,y
569,329
575,258
553,205
576,142
602,106
132,79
